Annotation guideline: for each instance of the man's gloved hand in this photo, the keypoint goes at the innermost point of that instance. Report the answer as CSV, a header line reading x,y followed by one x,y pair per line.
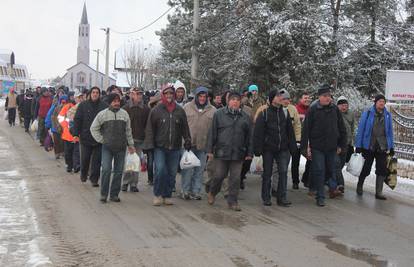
x,y
187,146
358,150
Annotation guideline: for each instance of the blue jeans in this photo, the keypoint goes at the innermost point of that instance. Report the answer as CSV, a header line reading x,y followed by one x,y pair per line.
x,y
282,159
192,179
166,164
118,157
323,162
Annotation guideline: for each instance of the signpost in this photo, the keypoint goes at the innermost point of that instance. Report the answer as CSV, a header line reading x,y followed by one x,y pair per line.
x,y
399,85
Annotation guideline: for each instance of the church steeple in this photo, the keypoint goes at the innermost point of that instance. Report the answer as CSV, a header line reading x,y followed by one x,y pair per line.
x,y
83,38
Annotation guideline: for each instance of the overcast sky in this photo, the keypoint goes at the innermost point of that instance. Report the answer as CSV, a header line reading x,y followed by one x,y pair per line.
x,y
43,33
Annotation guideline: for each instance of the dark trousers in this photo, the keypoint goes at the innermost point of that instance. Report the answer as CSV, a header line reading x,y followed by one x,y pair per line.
x,y
295,166
282,159
245,169
321,162
58,144
349,153
12,115
150,164
41,130
91,157
306,179
71,155
27,121
222,169
380,164
340,163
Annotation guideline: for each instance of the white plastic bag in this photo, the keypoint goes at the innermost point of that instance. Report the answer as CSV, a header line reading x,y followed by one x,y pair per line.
x,y
189,160
132,163
355,164
6,115
257,165
34,126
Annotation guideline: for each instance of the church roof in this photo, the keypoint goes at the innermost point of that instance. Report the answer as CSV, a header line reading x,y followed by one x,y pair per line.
x,y
84,19
81,63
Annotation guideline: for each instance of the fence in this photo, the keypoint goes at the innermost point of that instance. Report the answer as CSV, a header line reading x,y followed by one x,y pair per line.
x,y
403,117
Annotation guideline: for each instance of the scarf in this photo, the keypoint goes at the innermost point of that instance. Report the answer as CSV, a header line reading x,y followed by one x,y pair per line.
x,y
170,106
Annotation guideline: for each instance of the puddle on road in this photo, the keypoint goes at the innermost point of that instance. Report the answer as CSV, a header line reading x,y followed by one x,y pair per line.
x,y
354,253
222,219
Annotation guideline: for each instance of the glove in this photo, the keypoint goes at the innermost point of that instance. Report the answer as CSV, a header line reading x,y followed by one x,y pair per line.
x,y
358,150
392,152
187,146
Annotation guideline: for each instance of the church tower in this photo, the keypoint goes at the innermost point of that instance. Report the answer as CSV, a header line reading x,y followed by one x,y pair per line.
x,y
83,38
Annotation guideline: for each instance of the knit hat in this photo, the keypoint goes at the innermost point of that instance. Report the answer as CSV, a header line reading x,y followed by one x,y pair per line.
x,y
111,97
253,87
272,95
342,100
284,94
200,90
324,88
233,94
378,97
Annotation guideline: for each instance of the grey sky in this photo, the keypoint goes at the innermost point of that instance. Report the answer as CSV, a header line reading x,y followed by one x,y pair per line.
x,y
43,33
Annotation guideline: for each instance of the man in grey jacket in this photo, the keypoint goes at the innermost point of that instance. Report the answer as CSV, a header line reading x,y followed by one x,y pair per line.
x,y
112,128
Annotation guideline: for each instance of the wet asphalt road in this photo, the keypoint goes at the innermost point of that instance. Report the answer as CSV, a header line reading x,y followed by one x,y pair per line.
x,y
74,229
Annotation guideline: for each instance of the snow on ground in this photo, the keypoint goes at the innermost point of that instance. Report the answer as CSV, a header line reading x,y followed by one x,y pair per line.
x,y
2,102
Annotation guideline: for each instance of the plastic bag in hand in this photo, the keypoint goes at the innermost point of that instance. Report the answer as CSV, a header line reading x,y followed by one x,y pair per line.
x,y
6,115
132,163
34,126
355,164
189,160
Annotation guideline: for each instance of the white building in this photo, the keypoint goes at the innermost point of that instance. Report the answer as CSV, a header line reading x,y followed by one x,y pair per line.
x,y
18,74
81,75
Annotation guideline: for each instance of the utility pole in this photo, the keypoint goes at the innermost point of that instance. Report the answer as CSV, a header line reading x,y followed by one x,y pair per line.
x,y
194,48
97,67
106,82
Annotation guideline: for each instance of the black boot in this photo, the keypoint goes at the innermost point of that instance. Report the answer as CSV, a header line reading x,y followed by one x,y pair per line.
x,y
124,187
360,185
379,184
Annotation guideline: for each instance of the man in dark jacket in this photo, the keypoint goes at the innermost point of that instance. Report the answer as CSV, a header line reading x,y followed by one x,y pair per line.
x,y
166,127
229,143
27,110
323,136
42,108
90,149
274,138
138,114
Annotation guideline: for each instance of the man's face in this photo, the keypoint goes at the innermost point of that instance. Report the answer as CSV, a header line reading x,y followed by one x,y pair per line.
x,y
60,94
179,93
136,96
234,103
217,100
254,92
169,96
305,100
343,107
95,95
380,105
202,98
285,102
277,100
116,103
325,99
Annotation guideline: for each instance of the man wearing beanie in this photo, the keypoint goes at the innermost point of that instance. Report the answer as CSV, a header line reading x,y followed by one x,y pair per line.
x,y
255,100
274,140
349,121
229,143
375,139
323,137
166,127
112,129
91,151
200,116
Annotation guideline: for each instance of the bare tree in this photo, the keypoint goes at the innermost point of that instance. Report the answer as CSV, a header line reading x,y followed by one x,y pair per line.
x,y
136,57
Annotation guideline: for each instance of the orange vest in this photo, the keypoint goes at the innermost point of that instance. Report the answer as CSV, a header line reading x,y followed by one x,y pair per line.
x,y
64,122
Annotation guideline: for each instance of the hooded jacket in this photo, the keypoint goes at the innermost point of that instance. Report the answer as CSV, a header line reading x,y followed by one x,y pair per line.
x,y
138,115
179,84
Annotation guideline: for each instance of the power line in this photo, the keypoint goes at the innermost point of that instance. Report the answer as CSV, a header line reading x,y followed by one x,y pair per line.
x,y
145,27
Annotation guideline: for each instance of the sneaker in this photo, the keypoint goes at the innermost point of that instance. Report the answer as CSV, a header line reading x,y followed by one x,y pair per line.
x,y
157,201
69,170
95,184
195,197
76,170
320,202
134,189
83,179
103,199
124,187
359,189
333,193
341,188
295,186
267,203
234,207
168,201
284,203
380,197
185,196
211,198
115,199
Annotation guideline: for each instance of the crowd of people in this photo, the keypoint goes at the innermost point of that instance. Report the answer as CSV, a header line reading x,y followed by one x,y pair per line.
x,y
95,130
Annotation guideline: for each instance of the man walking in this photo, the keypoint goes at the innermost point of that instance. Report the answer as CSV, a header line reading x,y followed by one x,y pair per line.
x,y
200,116
323,137
230,143
42,108
274,138
112,129
166,128
138,114
90,149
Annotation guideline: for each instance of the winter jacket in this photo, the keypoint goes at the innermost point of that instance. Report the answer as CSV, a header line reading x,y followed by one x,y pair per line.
x,y
179,84
165,129
45,102
20,102
84,117
27,107
113,129
48,119
366,124
231,135
11,100
349,121
199,122
64,120
273,131
323,128
255,102
138,115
